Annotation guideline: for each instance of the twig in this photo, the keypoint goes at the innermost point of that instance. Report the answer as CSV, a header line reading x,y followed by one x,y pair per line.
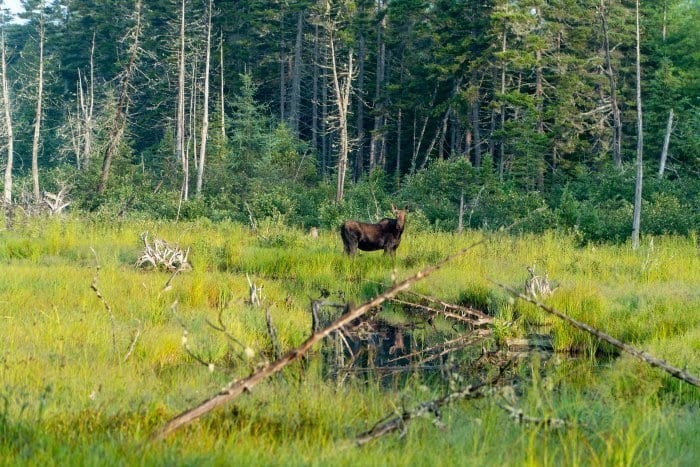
x,y
168,284
272,332
93,286
186,345
683,375
520,417
472,391
466,310
446,314
133,344
237,387
250,217
446,347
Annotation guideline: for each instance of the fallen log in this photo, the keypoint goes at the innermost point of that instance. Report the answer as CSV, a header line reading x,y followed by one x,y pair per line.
x,y
683,375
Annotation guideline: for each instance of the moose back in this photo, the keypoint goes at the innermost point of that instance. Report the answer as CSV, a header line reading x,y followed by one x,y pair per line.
x,y
384,235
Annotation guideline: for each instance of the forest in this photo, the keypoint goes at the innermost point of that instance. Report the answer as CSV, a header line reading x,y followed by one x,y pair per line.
x,y
305,113
186,184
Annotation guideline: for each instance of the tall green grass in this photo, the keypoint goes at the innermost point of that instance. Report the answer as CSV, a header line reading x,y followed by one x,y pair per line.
x,y
67,398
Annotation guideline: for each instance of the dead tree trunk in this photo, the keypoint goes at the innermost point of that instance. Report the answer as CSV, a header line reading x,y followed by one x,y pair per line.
x,y
360,154
342,99
39,97
87,106
502,143
180,119
119,121
283,62
399,122
539,97
295,98
7,190
314,92
667,139
205,108
636,220
476,132
617,119
378,131
221,70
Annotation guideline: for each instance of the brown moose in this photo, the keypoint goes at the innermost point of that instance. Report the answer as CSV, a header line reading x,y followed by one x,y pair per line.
x,y
385,235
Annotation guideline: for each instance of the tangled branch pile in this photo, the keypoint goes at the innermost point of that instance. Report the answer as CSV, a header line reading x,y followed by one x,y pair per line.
x,y
163,255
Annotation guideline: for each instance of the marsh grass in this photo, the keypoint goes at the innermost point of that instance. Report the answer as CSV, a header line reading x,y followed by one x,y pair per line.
x,y
67,398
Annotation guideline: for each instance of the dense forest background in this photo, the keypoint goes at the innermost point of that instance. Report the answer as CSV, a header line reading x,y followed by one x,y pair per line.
x,y
473,113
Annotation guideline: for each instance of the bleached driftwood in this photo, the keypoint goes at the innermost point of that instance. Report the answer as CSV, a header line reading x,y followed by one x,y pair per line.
x,y
56,203
255,292
162,254
538,286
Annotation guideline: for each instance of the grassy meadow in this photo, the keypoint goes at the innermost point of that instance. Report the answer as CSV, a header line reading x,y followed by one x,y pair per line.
x,y
67,398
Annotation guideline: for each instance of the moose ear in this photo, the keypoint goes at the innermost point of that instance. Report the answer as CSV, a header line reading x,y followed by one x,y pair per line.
x,y
405,207
393,207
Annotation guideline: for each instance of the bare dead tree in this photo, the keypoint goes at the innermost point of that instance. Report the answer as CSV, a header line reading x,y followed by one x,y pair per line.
x,y
118,124
221,91
295,97
180,117
617,118
636,220
39,101
205,107
7,189
378,131
86,108
342,98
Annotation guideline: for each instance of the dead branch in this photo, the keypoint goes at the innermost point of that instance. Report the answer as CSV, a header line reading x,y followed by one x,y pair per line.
x,y
133,344
251,219
93,286
521,418
683,375
538,285
56,202
254,291
473,391
462,309
186,344
431,353
162,254
446,314
272,332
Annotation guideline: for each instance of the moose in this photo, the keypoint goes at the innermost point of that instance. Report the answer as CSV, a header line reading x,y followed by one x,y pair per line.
x,y
385,235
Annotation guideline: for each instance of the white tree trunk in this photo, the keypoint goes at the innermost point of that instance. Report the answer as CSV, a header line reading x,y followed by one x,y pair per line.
x,y
205,109
636,221
221,69
180,132
342,99
667,139
37,122
7,190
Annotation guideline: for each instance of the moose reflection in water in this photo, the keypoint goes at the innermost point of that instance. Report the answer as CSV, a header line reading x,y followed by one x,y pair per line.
x,y
384,235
